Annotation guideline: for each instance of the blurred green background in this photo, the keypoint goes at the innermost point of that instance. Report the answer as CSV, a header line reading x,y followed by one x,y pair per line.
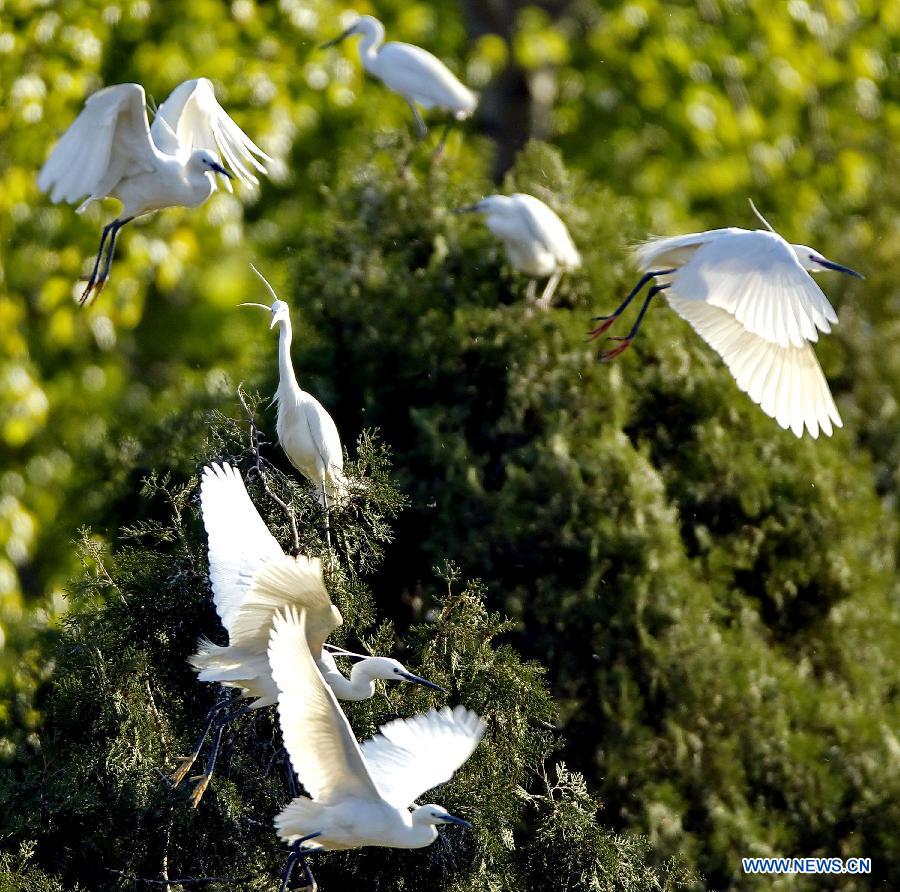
x,y
717,603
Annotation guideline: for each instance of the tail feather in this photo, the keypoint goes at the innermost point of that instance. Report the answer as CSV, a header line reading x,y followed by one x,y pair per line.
x,y
300,817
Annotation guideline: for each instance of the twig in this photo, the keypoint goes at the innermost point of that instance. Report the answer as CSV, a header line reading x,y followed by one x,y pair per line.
x,y
158,717
180,881
255,441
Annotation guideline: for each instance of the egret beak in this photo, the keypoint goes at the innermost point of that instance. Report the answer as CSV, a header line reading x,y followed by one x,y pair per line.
x,y
336,40
468,209
838,268
415,679
219,169
452,819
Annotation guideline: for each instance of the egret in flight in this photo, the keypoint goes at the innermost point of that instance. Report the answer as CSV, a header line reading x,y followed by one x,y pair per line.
x,y
536,240
360,795
306,432
110,150
750,296
418,76
251,578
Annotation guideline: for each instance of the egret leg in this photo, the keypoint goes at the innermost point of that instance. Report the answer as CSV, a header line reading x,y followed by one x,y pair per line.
x,y
421,129
442,142
608,320
544,300
93,277
529,292
187,761
607,355
101,282
297,854
204,779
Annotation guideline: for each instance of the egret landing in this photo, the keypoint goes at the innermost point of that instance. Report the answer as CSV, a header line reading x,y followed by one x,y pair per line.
x,y
750,296
251,578
418,76
110,150
361,795
536,240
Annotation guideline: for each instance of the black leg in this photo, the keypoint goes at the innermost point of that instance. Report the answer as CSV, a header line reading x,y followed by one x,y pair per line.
x,y
204,779
188,761
93,277
111,250
607,355
421,129
607,321
298,855
442,142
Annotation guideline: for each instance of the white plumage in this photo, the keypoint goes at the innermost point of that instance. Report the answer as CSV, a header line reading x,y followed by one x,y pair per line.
x,y
750,296
418,76
360,795
251,579
111,151
536,240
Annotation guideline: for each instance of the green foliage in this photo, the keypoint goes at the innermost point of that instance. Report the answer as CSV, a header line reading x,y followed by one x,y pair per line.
x,y
88,800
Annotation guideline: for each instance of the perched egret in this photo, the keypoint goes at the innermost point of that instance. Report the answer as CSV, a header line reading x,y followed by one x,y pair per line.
x,y
537,242
417,75
306,432
251,578
360,794
111,151
749,295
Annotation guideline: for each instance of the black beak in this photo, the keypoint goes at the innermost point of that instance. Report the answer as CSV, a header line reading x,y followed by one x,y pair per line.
x,y
468,209
838,268
415,679
452,819
219,169
336,40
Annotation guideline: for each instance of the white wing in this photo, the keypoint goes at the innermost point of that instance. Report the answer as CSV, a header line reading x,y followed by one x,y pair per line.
x,y
786,382
757,278
418,75
199,122
285,581
409,756
109,140
323,751
239,540
325,435
545,225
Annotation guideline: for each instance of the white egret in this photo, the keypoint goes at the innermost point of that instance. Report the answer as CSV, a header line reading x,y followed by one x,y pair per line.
x,y
360,794
306,432
536,240
251,578
418,76
111,151
749,295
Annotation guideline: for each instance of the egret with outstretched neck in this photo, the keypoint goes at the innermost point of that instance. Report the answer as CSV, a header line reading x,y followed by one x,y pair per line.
x,y
418,76
110,150
306,432
536,240
360,795
750,296
251,578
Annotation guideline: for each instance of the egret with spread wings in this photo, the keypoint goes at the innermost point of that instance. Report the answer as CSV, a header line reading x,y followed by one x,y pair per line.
x,y
360,795
251,579
418,76
750,296
110,150
536,240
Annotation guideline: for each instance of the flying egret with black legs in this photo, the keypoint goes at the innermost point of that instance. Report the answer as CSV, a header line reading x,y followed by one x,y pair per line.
x,y
750,296
360,795
536,240
418,76
110,150
306,432
251,578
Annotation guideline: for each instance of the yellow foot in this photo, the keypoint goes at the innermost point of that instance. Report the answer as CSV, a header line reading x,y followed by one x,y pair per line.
x,y
202,783
180,773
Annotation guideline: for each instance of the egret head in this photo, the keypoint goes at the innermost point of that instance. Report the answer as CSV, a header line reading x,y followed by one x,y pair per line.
x,y
366,25
280,311
436,815
814,262
492,205
208,162
393,670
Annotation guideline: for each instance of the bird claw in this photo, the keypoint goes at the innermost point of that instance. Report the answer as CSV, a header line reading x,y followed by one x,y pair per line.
x,y
198,791
606,324
180,773
608,355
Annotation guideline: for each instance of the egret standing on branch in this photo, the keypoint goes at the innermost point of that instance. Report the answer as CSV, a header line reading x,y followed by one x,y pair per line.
x,y
360,794
418,76
749,295
306,432
251,578
111,151
537,242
